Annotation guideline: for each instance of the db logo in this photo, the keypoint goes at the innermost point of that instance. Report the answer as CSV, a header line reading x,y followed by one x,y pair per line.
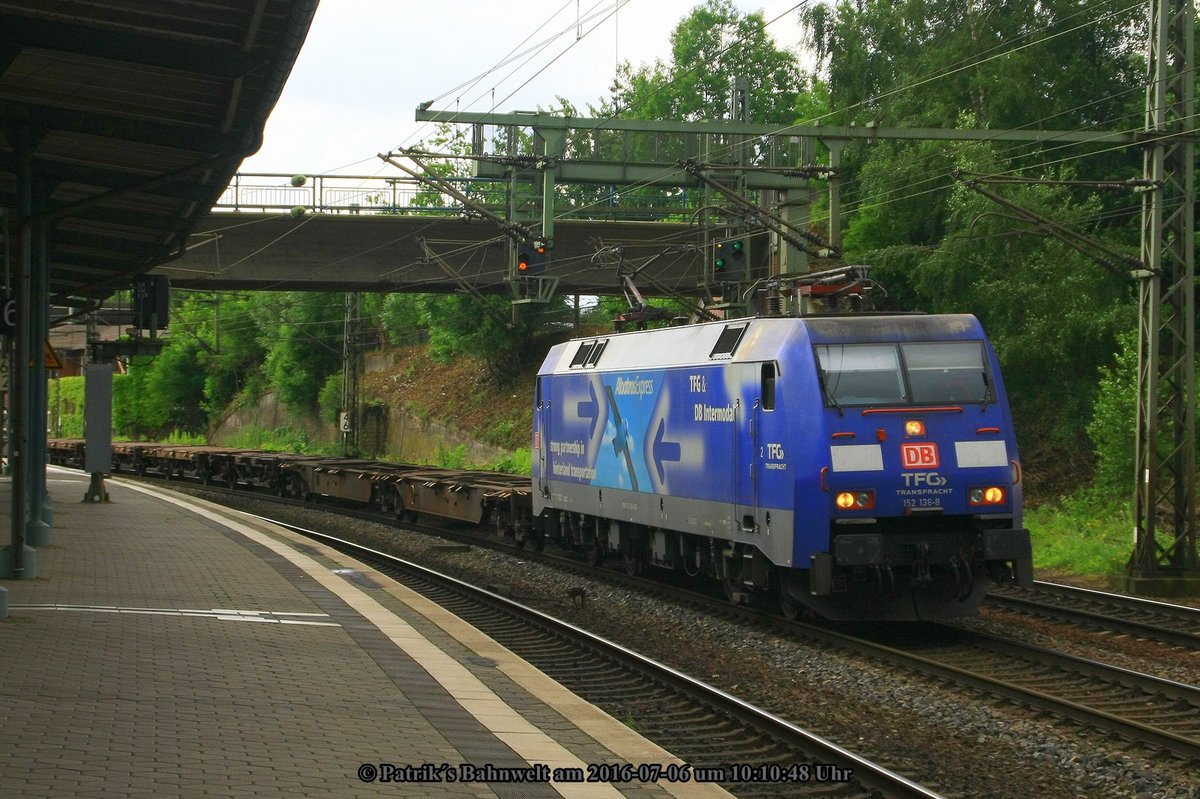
x,y
919,456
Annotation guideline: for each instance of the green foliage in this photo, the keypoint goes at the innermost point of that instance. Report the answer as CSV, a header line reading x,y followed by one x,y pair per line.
x,y
306,343
1114,416
1086,533
234,350
709,48
162,393
185,439
904,61
65,402
978,66
329,400
516,462
1052,314
402,318
453,458
283,439
464,325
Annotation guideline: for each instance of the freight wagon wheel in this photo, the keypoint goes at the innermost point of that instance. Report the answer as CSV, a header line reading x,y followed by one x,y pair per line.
x,y
596,554
293,486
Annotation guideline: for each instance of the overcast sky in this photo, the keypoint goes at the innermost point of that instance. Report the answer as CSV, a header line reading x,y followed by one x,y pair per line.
x,y
367,64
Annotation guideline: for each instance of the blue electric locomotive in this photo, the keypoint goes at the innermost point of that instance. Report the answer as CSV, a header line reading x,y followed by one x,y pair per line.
x,y
861,467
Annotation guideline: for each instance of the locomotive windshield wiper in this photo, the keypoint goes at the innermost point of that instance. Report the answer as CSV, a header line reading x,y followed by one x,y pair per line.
x,y
823,376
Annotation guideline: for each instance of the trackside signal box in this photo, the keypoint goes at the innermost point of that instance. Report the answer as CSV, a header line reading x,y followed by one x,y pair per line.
x,y
151,302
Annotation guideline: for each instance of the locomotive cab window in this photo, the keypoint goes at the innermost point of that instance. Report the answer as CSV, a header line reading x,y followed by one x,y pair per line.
x,y
768,387
928,372
947,371
860,374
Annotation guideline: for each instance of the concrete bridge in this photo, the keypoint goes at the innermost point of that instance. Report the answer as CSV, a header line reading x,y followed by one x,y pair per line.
x,y
367,234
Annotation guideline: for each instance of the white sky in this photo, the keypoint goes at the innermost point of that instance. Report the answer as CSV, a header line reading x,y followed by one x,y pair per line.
x,y
367,64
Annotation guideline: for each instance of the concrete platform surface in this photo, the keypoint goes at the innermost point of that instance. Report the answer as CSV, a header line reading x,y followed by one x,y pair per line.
x,y
169,647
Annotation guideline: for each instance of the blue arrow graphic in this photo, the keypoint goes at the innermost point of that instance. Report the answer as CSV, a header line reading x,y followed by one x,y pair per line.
x,y
589,410
664,450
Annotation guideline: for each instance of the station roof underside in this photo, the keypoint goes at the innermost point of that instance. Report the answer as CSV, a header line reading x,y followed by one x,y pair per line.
x,y
127,119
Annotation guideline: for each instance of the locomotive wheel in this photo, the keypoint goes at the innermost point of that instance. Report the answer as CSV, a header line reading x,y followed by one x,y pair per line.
x,y
788,605
595,555
631,564
791,607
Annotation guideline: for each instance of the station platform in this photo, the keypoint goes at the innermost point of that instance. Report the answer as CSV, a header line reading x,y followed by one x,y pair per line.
x,y
171,647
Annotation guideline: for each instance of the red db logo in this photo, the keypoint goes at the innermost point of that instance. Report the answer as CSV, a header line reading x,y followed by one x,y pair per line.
x,y
919,456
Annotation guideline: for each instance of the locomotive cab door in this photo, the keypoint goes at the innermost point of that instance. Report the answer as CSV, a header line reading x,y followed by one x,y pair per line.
x,y
541,429
748,409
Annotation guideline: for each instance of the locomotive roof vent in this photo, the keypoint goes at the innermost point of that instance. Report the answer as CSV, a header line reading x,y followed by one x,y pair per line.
x,y
728,341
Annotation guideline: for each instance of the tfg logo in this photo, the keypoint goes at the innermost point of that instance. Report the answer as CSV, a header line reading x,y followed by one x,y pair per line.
x,y
919,456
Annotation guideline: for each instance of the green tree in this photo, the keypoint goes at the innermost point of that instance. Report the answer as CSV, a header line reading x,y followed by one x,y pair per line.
x,y
302,337
1053,314
709,49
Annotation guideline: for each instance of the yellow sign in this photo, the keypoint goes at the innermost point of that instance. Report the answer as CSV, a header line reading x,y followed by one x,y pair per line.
x,y
50,358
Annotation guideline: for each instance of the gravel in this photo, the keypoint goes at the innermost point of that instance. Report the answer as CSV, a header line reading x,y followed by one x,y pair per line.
x,y
955,740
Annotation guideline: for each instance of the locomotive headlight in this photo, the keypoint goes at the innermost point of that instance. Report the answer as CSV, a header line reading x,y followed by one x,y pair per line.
x,y
986,495
855,500
914,427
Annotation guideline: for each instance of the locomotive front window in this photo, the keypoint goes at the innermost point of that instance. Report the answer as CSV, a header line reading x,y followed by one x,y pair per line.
x,y
860,374
947,371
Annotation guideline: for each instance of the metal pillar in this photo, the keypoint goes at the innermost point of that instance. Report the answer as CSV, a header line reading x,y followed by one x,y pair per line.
x,y
350,421
37,527
1165,443
19,561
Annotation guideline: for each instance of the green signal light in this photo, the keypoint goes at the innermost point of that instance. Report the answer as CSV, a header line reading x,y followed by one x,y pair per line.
x,y
737,246
720,262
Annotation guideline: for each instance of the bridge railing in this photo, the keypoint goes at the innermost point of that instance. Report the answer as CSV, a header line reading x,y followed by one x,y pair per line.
x,y
372,194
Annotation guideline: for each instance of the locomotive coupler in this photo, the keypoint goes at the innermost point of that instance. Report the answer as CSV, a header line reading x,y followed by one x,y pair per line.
x,y
921,564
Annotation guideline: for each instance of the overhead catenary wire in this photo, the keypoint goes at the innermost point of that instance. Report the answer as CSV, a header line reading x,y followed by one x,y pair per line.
x,y
924,80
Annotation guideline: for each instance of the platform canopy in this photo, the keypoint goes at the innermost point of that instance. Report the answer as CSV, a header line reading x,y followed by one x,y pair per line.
x,y
128,117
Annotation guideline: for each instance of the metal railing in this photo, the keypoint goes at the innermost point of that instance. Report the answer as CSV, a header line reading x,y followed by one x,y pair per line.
x,y
372,194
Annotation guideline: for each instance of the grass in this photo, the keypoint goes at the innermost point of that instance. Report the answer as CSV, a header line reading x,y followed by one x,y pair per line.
x,y
283,439
1088,533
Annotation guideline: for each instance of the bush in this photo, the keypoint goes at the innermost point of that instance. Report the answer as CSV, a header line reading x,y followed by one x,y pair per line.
x,y
329,399
1114,417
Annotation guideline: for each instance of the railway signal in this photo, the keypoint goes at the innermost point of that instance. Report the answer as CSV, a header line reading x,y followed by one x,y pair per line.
x,y
532,258
729,260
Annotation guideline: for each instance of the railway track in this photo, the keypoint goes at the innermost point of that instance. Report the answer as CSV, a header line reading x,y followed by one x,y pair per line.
x,y
1150,711
1176,625
747,750
1141,708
